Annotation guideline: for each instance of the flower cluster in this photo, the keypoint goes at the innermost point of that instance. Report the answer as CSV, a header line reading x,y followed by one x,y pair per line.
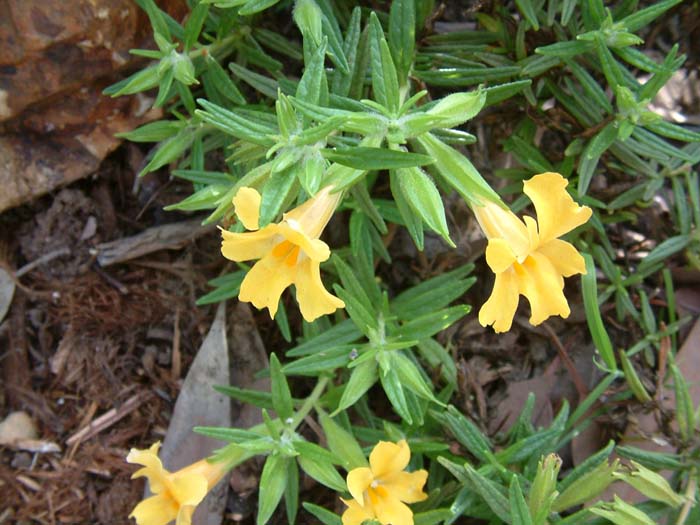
x,y
527,256
381,491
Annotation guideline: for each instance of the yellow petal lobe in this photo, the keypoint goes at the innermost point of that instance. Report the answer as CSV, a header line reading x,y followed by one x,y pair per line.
x,y
359,479
313,298
388,458
246,204
500,307
557,213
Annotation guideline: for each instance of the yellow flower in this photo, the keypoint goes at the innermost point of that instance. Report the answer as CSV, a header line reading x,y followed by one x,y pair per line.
x,y
379,490
290,253
527,257
176,494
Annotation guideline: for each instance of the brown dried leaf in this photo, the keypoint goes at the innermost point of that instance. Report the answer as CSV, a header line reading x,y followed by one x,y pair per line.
x,y
199,405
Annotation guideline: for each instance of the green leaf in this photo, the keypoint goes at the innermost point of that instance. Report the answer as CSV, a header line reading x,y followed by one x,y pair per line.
x,y
641,18
632,379
153,131
402,36
273,481
529,12
385,84
457,108
431,323
457,170
255,6
393,387
519,512
665,250
413,223
169,150
222,82
236,124
363,377
601,339
275,193
410,376
307,16
317,463
364,158
313,86
491,493
281,395
342,444
425,200
326,516
685,412
194,24
291,492
565,49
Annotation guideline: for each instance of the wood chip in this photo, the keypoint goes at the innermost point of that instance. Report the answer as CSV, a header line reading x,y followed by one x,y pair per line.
x,y
107,419
167,237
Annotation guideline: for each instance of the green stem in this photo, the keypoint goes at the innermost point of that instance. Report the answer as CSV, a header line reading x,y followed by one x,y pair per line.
x,y
310,402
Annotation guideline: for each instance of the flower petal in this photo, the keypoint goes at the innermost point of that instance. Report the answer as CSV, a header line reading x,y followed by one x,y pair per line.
x,y
189,489
313,248
498,222
389,509
564,257
153,468
407,486
156,510
499,255
388,458
249,245
500,307
312,216
557,213
184,516
246,204
314,300
543,286
358,480
265,281
355,514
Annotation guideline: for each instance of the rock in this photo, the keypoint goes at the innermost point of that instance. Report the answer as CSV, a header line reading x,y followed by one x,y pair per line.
x,y
17,426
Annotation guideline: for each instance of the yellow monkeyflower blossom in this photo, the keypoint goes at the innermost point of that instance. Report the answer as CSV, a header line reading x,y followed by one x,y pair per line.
x,y
527,256
381,490
176,494
290,252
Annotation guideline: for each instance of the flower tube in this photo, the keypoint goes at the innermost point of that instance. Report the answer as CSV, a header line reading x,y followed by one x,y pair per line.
x,y
290,252
527,255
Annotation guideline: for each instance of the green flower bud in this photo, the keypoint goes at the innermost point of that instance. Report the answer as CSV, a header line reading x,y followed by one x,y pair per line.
x,y
543,490
652,485
621,513
587,486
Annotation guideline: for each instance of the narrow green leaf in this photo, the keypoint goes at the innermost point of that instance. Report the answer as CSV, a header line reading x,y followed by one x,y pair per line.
x,y
519,512
364,158
343,444
402,36
273,481
281,395
601,339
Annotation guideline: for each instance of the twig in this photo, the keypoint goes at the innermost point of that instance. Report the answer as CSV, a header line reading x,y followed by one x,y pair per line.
x,y
41,260
575,376
107,419
176,362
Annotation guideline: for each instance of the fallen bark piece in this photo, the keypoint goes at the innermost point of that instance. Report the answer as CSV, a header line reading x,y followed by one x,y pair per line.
x,y
167,237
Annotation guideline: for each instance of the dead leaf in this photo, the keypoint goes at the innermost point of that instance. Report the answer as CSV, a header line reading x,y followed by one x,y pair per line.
x,y
7,291
199,405
644,431
166,237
